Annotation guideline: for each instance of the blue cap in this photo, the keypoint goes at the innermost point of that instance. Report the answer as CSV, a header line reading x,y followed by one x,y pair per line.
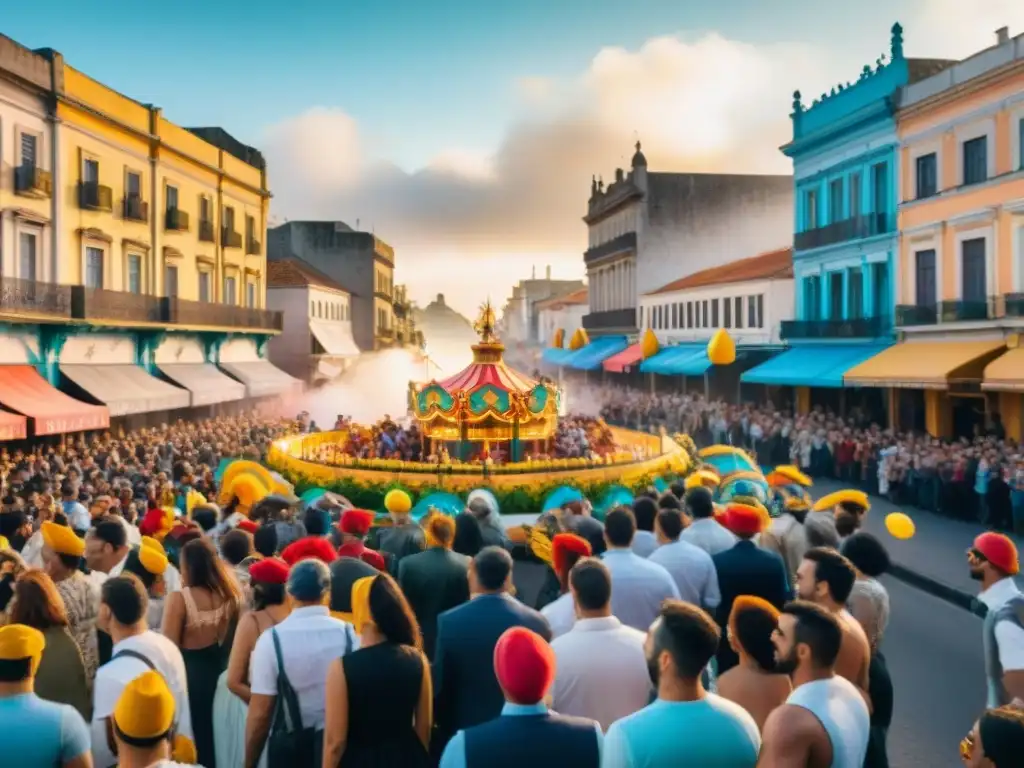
x,y
309,581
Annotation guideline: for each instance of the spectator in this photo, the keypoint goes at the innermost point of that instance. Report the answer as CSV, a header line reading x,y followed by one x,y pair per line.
x,y
354,526
996,741
143,725
566,551
691,567
469,538
644,542
705,532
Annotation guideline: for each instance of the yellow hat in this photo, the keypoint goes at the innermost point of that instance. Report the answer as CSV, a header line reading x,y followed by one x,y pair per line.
x,y
20,642
192,500
149,541
850,496
62,540
361,602
787,474
397,501
183,750
145,708
702,477
152,559
4,543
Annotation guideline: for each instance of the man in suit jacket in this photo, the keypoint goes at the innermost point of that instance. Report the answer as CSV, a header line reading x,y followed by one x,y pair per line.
x,y
746,569
466,692
403,537
525,733
435,579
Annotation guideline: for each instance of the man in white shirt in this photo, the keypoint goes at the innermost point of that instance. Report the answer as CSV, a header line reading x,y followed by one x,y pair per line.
x,y
691,567
645,510
638,586
994,562
123,607
705,532
601,666
310,640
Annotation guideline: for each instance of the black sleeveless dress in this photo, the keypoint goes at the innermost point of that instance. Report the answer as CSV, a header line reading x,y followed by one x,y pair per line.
x,y
384,684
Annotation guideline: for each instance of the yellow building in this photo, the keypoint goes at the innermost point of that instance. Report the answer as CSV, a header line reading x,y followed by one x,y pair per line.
x,y
385,333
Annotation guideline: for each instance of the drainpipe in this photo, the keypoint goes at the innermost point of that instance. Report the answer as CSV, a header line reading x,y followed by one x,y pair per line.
x,y
156,259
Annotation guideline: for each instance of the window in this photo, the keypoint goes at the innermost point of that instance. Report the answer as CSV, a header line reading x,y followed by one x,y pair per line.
x,y
924,278
229,218
172,198
854,195
880,306
204,209
714,313
94,267
27,255
752,321
927,175
134,278
204,286
91,171
972,259
689,314
835,201
250,295
812,297
760,310
737,311
29,150
811,212
230,290
880,188
319,309
727,314
675,316
170,280
976,160
250,227
133,185
835,296
854,294
704,314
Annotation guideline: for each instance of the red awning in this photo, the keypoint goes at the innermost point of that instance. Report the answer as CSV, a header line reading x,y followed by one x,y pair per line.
x,y
12,426
22,389
627,358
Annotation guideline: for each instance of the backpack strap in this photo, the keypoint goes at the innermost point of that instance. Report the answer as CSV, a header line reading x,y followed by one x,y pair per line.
x,y
287,701
128,653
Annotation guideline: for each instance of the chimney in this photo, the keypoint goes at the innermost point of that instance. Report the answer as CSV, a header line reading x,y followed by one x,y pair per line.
x,y
1002,35
547,272
618,174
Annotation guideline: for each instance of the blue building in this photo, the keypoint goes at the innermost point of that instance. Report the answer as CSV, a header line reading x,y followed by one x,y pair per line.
x,y
845,154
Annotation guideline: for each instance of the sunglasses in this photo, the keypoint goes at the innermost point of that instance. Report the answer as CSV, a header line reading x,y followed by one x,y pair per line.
x,y
967,746
976,555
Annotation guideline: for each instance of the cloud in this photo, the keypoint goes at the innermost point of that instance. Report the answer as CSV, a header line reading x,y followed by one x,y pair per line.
x,y
957,29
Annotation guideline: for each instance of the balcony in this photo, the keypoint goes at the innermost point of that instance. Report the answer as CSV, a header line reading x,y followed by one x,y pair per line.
x,y
192,313
30,181
620,244
29,296
613,319
1014,305
206,231
912,314
120,306
93,196
855,228
230,239
966,311
176,220
252,246
135,208
859,328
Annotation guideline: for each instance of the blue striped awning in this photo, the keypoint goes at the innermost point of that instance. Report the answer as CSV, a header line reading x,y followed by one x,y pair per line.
x,y
813,365
556,355
667,362
591,356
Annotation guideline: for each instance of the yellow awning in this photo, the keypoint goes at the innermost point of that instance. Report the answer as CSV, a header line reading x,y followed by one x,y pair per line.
x,y
925,364
1006,373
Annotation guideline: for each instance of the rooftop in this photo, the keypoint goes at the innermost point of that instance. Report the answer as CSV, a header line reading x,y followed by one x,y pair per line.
x,y
295,273
773,265
568,299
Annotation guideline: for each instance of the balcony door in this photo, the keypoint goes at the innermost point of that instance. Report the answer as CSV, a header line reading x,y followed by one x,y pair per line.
x,y
855,294
835,296
974,285
91,171
171,280
880,188
812,298
94,267
926,293
28,256
880,290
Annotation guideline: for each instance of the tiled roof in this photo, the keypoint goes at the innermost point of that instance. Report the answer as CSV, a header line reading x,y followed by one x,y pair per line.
x,y
766,266
555,302
295,273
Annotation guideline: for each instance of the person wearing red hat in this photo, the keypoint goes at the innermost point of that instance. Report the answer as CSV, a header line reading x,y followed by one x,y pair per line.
x,y
354,526
566,550
247,525
526,732
994,561
314,547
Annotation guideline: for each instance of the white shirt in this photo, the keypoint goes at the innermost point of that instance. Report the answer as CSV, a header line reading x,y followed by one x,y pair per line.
x,y
602,671
1009,637
134,534
32,552
638,588
113,676
310,640
708,534
644,543
693,571
561,615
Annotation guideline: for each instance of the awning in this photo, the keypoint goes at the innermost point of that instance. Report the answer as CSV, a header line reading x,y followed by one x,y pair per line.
x,y
328,370
127,389
627,358
667,360
556,355
205,383
335,338
261,378
925,364
12,426
1006,372
813,365
591,356
24,390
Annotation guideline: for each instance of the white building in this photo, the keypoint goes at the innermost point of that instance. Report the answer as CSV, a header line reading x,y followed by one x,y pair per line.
x,y
519,320
751,298
316,342
561,313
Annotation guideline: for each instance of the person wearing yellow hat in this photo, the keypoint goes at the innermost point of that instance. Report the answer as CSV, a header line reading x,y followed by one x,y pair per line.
x,y
150,562
144,726
404,537
35,732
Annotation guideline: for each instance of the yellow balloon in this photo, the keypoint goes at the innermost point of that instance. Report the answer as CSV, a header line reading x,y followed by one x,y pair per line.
x,y
721,348
899,525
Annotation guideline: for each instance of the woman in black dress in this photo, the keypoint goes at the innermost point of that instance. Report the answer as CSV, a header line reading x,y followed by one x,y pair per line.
x,y
379,698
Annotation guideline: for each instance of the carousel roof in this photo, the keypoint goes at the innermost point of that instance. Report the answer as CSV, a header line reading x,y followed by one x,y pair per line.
x,y
479,374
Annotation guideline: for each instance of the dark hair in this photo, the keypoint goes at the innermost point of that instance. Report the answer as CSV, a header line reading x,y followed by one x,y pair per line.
x,y
833,569
678,489
670,521
492,566
1002,735
71,562
689,635
264,540
644,512
469,537
37,603
126,597
202,568
669,501
818,629
867,554
206,517
133,565
67,488
15,670
699,503
316,521
752,622
110,530
592,583
264,595
60,518
235,546
620,527
391,613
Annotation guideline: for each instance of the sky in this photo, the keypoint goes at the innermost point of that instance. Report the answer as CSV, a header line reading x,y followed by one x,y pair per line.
x,y
466,133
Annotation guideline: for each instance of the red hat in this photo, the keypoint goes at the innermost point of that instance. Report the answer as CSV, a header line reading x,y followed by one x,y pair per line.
x,y
247,525
357,521
524,664
153,523
566,544
743,520
309,547
270,570
1000,551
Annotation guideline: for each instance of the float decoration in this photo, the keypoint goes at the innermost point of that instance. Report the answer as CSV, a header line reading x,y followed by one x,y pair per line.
x,y
721,348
